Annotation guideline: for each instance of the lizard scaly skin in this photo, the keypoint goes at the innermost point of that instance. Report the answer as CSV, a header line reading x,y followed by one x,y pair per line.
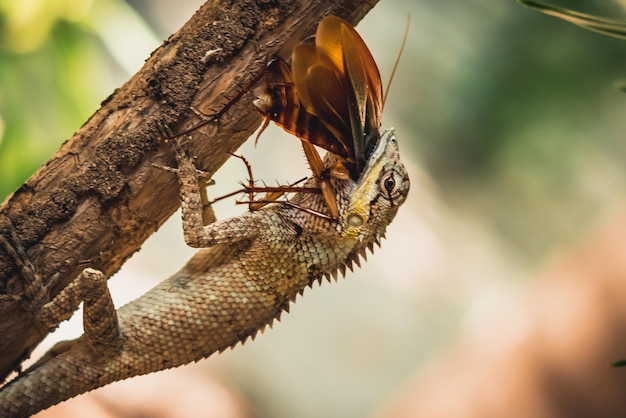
x,y
252,268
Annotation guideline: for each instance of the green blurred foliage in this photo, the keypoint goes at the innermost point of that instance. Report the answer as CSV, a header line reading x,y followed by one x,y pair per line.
x,y
606,26
53,74
517,116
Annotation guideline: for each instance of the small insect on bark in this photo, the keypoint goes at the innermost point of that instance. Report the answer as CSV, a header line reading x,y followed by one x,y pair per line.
x,y
330,97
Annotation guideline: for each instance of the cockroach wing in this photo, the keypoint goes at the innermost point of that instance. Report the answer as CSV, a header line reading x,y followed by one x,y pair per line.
x,y
329,43
354,45
328,100
356,78
323,95
304,57
340,47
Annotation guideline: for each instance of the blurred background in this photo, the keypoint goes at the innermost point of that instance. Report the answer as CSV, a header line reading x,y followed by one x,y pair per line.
x,y
500,289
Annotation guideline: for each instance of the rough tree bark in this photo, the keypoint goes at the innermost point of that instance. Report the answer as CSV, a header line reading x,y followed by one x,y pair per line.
x,y
99,197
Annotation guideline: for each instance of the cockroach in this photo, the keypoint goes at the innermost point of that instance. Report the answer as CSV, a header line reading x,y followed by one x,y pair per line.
x,y
330,97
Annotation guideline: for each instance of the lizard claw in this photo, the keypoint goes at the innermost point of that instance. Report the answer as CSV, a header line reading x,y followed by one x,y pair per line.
x,y
185,165
202,175
165,167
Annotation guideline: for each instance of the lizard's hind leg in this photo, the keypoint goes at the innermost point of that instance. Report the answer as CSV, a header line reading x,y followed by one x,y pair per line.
x,y
99,316
90,287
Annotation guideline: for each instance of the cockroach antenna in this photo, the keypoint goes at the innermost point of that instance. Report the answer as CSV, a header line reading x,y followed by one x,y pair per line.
x,y
395,64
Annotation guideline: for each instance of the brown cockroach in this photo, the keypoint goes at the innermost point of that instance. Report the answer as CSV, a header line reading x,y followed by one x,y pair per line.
x,y
331,97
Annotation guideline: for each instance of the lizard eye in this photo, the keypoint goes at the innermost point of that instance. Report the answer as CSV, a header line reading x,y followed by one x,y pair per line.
x,y
394,185
389,184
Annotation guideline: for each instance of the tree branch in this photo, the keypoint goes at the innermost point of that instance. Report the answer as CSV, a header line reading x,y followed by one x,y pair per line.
x,y
99,197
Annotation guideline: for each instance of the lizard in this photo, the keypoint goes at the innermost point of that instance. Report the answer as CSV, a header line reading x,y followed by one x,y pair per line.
x,y
249,270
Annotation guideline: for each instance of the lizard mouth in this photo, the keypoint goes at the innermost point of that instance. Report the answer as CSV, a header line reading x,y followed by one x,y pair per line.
x,y
376,145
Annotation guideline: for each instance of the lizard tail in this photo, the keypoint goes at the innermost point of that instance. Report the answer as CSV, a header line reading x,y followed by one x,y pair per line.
x,y
39,388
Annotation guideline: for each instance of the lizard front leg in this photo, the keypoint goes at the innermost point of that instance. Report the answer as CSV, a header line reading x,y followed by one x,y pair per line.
x,y
198,235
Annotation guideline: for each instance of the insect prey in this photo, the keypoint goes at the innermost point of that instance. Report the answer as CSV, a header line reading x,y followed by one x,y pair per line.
x,y
330,97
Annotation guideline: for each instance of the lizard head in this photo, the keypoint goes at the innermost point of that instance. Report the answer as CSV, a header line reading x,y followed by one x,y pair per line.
x,y
378,193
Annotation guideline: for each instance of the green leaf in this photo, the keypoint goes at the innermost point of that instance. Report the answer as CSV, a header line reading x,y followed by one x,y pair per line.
x,y
619,363
610,27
